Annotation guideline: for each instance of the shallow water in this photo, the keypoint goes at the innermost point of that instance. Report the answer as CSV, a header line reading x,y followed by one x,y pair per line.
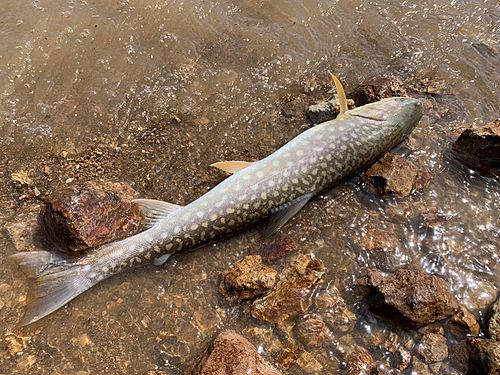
x,y
152,92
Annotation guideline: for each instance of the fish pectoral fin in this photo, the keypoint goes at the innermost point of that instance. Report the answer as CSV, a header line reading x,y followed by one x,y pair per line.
x,y
153,211
340,93
282,214
231,166
160,261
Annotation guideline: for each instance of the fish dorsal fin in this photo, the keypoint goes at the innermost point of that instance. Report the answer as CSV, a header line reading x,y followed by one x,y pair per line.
x,y
153,211
282,214
231,166
340,93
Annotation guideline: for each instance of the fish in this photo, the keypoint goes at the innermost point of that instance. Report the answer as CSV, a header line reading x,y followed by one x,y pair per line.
x,y
276,187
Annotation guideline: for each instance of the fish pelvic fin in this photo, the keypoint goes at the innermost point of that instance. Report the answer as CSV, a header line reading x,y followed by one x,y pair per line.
x,y
53,281
340,92
232,166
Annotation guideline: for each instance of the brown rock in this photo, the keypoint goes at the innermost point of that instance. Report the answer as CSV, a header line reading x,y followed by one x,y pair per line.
x,y
249,278
494,321
231,353
89,214
378,89
484,356
466,321
308,364
433,347
279,248
408,296
378,239
423,179
171,370
359,362
431,219
419,367
312,331
292,294
326,110
23,230
334,311
392,175
479,146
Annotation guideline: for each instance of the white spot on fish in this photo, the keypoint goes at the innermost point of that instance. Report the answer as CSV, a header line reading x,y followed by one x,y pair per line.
x,y
295,181
270,183
194,226
205,224
163,235
246,206
167,247
275,194
213,217
230,210
263,196
177,229
199,214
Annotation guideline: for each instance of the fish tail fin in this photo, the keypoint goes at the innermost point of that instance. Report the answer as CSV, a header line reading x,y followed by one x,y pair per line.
x,y
53,281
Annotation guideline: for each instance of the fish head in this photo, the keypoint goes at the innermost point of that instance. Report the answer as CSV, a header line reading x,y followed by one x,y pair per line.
x,y
396,114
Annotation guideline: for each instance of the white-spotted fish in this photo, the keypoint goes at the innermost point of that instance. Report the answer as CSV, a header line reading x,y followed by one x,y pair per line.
x,y
276,187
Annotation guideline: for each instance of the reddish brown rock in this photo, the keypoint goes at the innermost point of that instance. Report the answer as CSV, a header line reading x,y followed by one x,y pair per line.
x,y
292,294
465,321
377,239
89,214
392,175
249,278
279,248
359,362
433,347
408,296
312,331
231,353
479,146
484,356
378,89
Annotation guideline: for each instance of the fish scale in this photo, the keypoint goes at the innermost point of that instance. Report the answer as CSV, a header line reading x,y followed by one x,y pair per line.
x,y
277,186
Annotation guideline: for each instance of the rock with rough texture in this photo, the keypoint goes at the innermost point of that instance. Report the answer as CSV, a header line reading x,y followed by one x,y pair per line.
x,y
465,321
231,353
326,110
90,214
479,146
378,89
308,364
433,347
392,175
279,248
494,321
484,356
249,278
359,362
331,307
377,239
419,367
292,294
408,296
312,331
24,231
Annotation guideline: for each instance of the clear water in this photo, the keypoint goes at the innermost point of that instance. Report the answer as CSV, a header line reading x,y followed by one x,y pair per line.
x,y
152,92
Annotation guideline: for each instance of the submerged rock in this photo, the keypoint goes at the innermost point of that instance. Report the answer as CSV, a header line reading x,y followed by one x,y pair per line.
x,y
312,331
433,347
359,362
249,278
292,294
378,89
408,296
279,248
326,110
231,353
484,356
392,175
479,146
332,308
89,214
494,321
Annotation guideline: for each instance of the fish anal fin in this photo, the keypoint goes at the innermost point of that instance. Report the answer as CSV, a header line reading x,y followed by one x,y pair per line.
x,y
231,166
161,260
283,214
153,210
340,93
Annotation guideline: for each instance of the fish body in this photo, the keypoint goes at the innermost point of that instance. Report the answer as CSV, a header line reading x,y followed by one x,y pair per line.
x,y
276,187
